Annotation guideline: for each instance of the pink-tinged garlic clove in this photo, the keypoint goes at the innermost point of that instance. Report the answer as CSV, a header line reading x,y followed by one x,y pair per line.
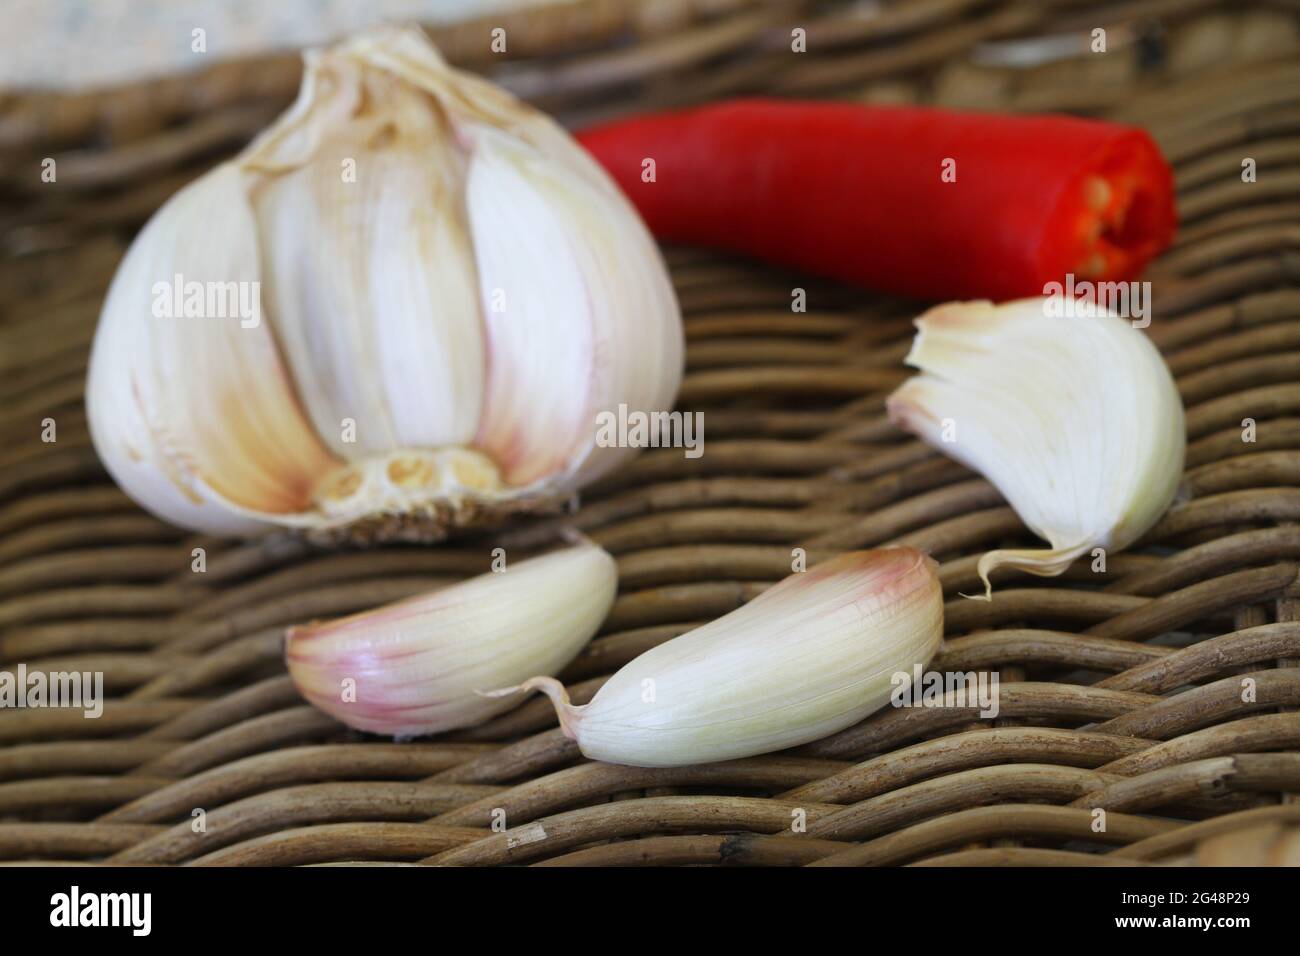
x,y
420,666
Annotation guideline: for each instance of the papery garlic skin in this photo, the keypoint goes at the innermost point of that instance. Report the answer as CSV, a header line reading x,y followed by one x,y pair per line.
x,y
1075,419
810,656
420,666
450,291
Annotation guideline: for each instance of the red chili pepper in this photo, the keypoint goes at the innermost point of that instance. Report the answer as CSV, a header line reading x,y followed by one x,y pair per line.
x,y
858,193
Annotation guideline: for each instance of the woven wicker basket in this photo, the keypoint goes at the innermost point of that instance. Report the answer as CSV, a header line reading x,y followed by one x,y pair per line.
x,y
1125,695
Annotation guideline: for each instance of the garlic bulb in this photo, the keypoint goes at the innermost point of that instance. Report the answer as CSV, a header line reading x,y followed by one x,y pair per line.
x,y
812,655
418,666
1075,419
399,310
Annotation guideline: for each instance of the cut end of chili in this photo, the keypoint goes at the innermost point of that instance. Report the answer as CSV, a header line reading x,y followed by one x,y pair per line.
x,y
1124,207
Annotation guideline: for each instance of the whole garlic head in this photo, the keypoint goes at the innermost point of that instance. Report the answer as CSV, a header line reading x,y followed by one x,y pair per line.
x,y
397,312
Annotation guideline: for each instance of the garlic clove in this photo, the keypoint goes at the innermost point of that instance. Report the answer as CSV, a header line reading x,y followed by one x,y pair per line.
x,y
419,666
571,285
368,232
196,418
1075,420
810,656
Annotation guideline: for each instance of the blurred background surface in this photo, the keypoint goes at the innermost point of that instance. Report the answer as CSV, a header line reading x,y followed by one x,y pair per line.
x,y
72,44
